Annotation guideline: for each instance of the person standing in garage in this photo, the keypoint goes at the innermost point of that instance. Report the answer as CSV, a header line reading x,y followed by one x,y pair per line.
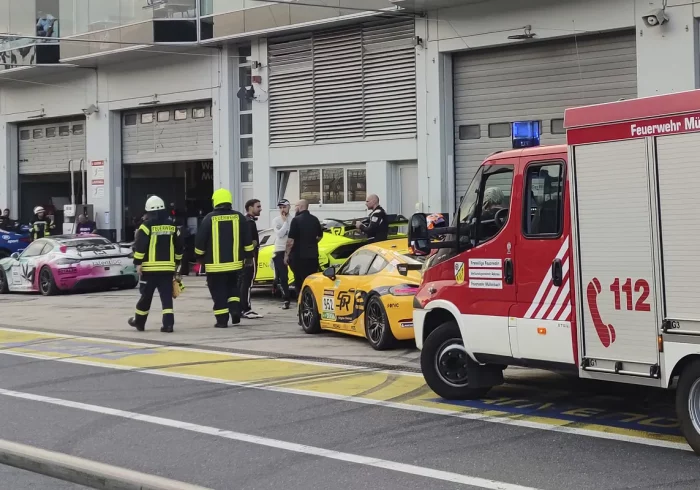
x,y
223,243
157,254
252,210
42,225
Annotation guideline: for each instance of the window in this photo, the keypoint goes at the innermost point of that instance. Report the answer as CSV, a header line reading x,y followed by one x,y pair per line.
x,y
38,134
245,80
246,147
333,186
357,265
470,132
378,265
147,118
345,251
543,208
180,114
357,185
310,186
246,171
246,124
243,54
50,132
34,249
77,129
499,130
163,116
495,202
557,126
63,130
24,135
130,120
198,112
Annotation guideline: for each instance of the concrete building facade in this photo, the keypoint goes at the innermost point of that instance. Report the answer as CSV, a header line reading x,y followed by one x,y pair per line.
x,y
329,103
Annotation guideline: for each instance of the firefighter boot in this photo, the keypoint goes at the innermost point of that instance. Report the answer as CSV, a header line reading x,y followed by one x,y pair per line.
x,y
133,321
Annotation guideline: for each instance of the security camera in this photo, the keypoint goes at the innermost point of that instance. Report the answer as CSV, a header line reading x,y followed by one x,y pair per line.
x,y
655,18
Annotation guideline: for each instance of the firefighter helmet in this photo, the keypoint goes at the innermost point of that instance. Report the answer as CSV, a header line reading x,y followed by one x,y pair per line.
x,y
154,203
39,209
221,196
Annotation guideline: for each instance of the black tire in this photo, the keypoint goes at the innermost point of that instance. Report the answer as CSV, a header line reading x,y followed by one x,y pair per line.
x,y
47,284
688,404
377,328
131,284
445,364
4,286
308,313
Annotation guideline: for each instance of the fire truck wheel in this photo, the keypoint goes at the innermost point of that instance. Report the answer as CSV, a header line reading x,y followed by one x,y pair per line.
x,y
688,404
446,364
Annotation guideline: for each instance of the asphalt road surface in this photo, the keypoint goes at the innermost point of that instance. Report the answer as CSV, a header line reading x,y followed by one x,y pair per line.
x,y
224,419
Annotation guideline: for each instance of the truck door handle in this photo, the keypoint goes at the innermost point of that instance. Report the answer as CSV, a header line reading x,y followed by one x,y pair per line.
x,y
557,278
508,271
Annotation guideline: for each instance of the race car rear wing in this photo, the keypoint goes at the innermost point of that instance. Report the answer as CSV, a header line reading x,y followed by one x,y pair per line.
x,y
403,269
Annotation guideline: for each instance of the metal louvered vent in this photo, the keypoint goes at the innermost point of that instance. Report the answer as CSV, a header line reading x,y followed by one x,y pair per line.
x,y
351,83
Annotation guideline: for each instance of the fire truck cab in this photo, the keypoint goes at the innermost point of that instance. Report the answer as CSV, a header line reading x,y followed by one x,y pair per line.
x,y
583,257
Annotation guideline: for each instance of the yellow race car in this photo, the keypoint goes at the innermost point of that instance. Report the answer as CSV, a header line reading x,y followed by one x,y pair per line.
x,y
370,295
339,241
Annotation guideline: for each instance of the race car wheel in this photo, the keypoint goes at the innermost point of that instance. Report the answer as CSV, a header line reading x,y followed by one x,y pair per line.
x,y
47,285
4,286
130,284
4,253
446,364
308,313
377,329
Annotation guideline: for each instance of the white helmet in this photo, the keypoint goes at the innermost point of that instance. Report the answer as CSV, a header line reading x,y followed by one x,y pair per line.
x,y
39,209
154,203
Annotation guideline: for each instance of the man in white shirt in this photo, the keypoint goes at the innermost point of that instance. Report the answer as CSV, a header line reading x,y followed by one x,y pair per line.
x,y
280,227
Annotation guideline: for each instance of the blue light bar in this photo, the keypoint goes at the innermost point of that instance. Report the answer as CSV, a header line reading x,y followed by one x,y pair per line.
x,y
526,134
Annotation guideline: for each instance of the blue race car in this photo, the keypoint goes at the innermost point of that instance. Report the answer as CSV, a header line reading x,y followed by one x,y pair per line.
x,y
13,241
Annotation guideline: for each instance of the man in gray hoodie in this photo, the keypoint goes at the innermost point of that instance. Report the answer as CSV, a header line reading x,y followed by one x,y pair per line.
x,y
280,227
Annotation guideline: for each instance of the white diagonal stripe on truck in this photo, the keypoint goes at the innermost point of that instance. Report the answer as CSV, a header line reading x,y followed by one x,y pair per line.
x,y
546,281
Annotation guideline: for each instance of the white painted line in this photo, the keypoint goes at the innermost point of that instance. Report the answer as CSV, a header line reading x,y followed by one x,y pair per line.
x,y
275,443
346,367
367,401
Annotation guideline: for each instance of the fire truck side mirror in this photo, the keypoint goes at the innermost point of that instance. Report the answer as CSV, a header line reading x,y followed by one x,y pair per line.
x,y
418,236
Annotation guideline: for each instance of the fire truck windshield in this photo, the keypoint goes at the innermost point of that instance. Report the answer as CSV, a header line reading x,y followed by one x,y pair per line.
x,y
467,208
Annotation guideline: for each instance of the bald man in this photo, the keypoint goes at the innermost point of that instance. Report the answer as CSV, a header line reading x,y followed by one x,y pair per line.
x,y
378,227
301,253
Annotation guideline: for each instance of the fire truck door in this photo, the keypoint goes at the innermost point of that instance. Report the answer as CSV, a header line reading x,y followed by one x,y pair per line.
x,y
616,270
540,324
485,273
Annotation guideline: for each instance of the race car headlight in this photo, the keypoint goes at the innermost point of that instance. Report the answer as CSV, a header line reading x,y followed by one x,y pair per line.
x,y
403,290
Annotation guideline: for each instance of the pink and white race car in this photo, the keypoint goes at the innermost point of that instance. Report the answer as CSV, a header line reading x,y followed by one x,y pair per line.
x,y
68,263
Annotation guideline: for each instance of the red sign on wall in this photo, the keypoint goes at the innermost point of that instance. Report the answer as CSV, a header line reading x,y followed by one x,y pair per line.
x,y
660,126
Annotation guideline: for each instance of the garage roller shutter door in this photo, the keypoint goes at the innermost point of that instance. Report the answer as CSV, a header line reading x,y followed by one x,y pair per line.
x,y
47,148
537,81
168,134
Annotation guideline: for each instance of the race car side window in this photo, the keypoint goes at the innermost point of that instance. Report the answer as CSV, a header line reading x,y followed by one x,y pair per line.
x,y
357,265
378,265
35,249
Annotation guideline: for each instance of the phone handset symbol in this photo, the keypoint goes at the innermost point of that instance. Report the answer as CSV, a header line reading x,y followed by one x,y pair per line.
x,y
606,332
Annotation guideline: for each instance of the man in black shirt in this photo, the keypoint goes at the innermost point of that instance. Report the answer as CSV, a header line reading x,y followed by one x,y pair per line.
x,y
252,211
301,255
378,227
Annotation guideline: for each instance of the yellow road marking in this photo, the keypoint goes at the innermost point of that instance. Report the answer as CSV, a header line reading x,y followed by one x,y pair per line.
x,y
315,378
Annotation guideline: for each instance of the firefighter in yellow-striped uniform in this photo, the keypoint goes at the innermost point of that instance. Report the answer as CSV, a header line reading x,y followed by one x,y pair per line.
x,y
223,244
157,254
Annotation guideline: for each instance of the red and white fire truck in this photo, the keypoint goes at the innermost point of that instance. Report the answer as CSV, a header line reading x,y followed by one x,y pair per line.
x,y
582,257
